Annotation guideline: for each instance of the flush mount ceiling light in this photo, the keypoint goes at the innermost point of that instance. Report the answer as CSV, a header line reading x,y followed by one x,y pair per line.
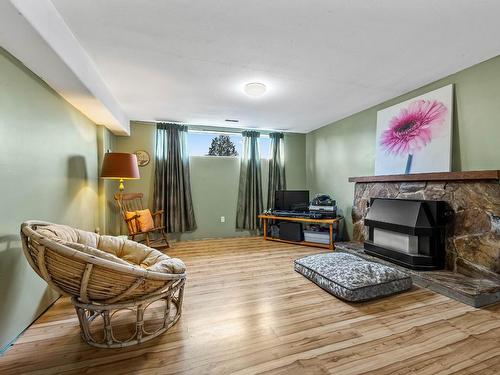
x,y
255,89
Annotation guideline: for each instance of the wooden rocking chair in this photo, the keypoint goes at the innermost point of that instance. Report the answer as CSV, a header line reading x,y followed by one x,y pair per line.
x,y
130,203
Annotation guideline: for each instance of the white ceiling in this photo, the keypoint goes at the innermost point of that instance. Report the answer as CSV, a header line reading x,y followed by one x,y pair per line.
x,y
321,59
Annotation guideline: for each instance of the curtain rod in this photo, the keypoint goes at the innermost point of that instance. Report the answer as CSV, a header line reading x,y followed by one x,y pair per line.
x,y
227,132
214,131
214,128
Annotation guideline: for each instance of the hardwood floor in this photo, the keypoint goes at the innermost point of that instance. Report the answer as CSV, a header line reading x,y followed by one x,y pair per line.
x,y
246,312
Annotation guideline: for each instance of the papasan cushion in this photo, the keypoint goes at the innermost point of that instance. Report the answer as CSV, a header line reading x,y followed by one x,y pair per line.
x,y
115,249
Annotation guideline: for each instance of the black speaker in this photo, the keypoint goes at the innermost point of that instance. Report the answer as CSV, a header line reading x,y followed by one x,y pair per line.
x,y
291,231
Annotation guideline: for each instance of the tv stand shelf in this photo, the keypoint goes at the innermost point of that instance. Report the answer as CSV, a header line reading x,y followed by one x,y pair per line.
x,y
330,222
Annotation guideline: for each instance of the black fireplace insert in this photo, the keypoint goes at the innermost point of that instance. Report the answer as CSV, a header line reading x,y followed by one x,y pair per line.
x,y
410,233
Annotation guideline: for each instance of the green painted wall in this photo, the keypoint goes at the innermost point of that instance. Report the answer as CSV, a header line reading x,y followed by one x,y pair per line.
x,y
214,181
48,167
106,188
347,147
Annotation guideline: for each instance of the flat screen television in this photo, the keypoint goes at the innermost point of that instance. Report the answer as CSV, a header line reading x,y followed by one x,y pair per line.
x,y
291,200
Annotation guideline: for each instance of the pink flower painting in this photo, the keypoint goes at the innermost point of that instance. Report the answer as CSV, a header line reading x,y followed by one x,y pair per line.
x,y
412,129
415,136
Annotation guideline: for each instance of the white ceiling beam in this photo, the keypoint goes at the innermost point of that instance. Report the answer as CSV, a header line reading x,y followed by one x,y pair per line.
x,y
35,32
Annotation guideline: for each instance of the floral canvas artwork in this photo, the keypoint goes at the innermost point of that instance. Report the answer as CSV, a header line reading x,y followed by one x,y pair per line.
x,y
415,136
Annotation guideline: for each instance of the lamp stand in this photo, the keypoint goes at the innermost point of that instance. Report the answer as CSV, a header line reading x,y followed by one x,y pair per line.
x,y
121,187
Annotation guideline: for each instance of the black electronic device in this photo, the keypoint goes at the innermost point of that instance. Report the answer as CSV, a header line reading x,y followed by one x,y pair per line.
x,y
291,232
323,204
291,200
300,214
322,200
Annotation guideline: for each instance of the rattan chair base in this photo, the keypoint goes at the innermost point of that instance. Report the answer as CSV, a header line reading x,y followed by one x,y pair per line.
x,y
99,288
88,312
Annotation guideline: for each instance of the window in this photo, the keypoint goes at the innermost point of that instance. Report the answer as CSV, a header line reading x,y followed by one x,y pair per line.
x,y
264,146
202,143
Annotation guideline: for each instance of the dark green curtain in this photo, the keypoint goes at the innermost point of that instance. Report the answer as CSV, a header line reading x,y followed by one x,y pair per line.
x,y
250,187
277,180
172,192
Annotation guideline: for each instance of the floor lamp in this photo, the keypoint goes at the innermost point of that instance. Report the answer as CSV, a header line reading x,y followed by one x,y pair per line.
x,y
120,166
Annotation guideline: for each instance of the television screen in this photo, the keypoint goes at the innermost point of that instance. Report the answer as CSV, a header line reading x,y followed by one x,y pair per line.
x,y
291,200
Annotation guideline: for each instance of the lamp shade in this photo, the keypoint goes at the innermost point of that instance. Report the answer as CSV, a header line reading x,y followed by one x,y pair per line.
x,y
120,165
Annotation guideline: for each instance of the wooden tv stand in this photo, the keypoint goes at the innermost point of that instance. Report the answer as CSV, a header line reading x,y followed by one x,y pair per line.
x,y
330,222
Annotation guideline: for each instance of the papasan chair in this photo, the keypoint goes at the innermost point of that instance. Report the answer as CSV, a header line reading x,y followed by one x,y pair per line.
x,y
105,275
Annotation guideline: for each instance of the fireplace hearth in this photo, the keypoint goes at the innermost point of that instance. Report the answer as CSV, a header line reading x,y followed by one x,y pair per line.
x,y
410,233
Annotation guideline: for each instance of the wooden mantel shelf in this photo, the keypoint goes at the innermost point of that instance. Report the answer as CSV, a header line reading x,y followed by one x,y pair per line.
x,y
436,176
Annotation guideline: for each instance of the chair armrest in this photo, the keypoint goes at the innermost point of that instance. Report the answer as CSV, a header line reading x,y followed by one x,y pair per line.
x,y
151,230
159,212
131,218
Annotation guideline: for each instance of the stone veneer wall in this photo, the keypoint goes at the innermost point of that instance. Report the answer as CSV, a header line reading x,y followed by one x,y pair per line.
x,y
473,238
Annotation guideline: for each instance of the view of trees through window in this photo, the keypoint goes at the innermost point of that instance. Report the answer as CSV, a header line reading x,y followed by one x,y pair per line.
x,y
222,146
217,144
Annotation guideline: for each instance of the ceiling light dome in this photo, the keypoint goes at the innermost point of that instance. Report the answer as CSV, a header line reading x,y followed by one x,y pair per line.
x,y
255,89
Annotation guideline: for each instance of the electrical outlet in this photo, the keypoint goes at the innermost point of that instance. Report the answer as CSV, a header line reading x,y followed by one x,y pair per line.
x,y
222,219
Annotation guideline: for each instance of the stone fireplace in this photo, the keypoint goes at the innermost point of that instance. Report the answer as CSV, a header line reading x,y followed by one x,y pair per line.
x,y
472,241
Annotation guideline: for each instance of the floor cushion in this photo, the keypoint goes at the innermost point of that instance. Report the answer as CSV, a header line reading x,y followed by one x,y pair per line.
x,y
352,278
